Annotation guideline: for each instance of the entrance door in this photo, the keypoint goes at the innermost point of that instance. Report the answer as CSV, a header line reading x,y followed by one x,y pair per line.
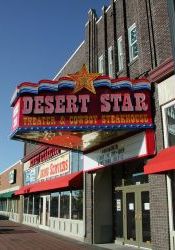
x,y
136,217
44,211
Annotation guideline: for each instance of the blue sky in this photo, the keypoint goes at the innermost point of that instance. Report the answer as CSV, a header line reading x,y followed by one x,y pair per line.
x,y
37,37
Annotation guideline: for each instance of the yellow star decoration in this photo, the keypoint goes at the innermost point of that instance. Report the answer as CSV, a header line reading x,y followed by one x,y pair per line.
x,y
84,79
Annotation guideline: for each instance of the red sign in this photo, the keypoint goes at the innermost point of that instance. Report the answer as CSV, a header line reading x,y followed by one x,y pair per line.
x,y
85,110
80,102
44,156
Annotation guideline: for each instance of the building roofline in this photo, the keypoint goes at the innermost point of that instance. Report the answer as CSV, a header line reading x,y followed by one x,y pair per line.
x,y
19,161
68,60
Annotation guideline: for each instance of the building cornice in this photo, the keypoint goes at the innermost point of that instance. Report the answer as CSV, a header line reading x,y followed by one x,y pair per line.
x,y
33,153
162,71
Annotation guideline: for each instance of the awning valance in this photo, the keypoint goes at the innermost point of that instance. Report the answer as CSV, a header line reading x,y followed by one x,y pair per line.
x,y
6,195
163,161
74,180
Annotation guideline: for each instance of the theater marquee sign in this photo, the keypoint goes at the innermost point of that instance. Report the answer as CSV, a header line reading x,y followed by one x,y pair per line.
x,y
80,110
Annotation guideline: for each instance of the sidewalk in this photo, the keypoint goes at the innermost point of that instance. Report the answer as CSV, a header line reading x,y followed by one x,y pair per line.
x,y
14,236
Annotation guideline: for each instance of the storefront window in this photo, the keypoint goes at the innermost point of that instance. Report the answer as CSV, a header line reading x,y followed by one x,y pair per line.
x,y
173,195
170,118
36,204
9,205
15,205
30,211
54,203
25,205
77,205
135,178
168,114
133,173
64,204
118,214
3,205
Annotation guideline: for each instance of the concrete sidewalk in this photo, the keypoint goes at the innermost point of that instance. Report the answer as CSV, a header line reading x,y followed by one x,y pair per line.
x,y
14,236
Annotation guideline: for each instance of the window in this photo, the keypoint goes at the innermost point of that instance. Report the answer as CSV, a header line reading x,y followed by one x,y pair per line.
x,y
25,205
36,204
168,113
3,205
110,60
15,205
133,44
9,205
172,176
77,205
120,53
64,204
54,203
30,206
100,64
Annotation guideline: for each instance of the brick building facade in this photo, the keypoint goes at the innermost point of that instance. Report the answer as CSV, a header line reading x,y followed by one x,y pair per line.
x,y
130,39
154,61
11,180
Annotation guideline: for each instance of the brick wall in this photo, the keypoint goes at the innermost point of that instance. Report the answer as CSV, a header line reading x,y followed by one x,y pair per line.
x,y
161,30
154,48
30,147
159,212
158,193
88,209
4,182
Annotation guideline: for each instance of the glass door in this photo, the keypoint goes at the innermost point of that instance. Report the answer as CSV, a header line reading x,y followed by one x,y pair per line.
x,y
44,210
136,217
130,215
145,233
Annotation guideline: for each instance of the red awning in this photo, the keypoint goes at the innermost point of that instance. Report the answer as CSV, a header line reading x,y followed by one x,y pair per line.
x,y
74,180
163,161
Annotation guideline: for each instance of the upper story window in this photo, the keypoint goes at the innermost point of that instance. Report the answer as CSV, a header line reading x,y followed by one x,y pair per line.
x,y
110,61
133,43
100,64
168,114
120,53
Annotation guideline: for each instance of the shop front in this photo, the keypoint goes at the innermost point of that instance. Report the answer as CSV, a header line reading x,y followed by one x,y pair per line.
x,y
53,194
122,190
132,210
110,122
57,211
11,181
164,162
